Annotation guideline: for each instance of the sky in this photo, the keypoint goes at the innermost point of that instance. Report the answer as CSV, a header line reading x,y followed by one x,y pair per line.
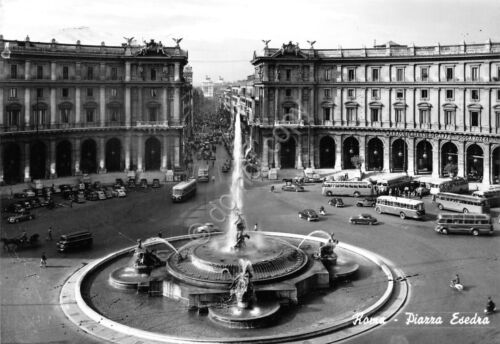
x,y
221,35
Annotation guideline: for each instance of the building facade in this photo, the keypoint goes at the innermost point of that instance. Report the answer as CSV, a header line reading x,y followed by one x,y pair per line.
x,y
68,109
398,108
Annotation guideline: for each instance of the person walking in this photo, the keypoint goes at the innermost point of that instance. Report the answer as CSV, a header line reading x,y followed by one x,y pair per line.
x,y
255,227
43,261
49,233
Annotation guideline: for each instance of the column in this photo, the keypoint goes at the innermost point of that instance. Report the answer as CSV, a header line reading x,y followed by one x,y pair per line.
x,y
77,106
52,161
338,153
276,104
1,166
102,155
139,116
140,153
53,106
387,153
300,104
299,164
27,107
263,108
177,109
312,109
486,164
27,174
164,153
75,156
177,71
436,159
461,160
1,110
53,71
164,104
277,163
177,155
27,70
265,153
362,152
127,106
126,149
102,106
127,71
411,157
313,154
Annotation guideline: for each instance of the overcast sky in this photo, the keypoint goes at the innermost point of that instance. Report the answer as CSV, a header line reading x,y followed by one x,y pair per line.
x,y
222,35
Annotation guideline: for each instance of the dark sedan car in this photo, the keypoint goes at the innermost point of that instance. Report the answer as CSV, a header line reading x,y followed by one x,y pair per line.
x,y
366,202
309,215
20,217
363,219
292,187
336,202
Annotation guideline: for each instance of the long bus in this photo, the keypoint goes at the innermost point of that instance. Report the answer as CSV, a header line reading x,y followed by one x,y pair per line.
x,y
493,196
436,185
347,188
183,190
462,203
393,181
404,207
474,224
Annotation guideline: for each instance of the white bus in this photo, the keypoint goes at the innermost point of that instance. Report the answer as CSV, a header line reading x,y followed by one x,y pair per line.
x,y
462,203
436,185
203,174
404,207
474,224
184,190
393,181
347,188
493,196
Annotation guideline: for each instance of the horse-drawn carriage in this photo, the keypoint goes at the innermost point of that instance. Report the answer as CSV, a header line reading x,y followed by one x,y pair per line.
x,y
20,242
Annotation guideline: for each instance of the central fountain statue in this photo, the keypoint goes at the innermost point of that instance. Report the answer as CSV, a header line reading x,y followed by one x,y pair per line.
x,y
242,286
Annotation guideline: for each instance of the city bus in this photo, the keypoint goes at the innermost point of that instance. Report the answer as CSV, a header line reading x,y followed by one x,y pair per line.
x,y
436,185
393,181
462,203
404,207
474,224
184,190
493,196
347,188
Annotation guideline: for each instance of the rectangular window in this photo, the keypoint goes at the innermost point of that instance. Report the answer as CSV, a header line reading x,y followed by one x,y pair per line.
x,y
39,116
13,71
13,92
153,74
152,114
90,115
328,73
400,94
351,114
90,92
450,95
449,73
114,115
424,94
154,93
474,94
424,73
375,74
65,115
399,116
425,116
305,76
13,117
65,92
288,92
114,73
326,114
400,74
351,74
474,73
39,92
90,73
449,117
327,92
498,95
288,74
350,93
39,72
114,92
375,115
65,73
474,118
375,93
497,114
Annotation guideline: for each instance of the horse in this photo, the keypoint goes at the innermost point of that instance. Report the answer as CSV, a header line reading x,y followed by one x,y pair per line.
x,y
7,243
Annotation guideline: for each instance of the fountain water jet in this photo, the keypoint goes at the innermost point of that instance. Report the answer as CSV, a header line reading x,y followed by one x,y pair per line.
x,y
319,231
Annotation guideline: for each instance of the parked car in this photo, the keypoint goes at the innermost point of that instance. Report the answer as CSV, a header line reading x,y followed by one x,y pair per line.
x,y
25,194
97,185
366,202
74,240
43,201
205,228
92,196
363,219
143,183
336,202
101,195
226,167
313,179
292,187
119,181
80,197
26,216
14,208
156,183
121,192
131,183
309,215
34,202
108,192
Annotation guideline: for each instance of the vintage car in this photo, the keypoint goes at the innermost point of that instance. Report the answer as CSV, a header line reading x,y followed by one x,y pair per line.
x,y
309,215
336,202
366,202
363,219
26,216
205,228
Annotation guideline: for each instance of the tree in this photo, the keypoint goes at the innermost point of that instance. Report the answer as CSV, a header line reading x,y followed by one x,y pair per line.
x,y
452,169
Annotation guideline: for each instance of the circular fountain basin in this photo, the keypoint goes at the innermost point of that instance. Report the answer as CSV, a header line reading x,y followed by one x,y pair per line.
x,y
258,315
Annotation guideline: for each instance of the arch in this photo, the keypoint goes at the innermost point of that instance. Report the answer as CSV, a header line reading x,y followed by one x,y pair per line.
x,y
475,163
495,165
287,153
449,155
38,160
152,154
350,148
88,162
424,157
11,163
375,155
113,155
326,152
63,158
399,156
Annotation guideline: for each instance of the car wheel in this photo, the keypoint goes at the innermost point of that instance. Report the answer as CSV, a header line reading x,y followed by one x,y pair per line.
x,y
359,205
440,206
466,211
329,193
378,210
370,223
402,215
356,194
444,231
309,219
475,232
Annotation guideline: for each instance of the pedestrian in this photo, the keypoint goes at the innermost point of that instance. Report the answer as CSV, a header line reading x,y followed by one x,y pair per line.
x,y
49,233
160,235
213,179
390,191
43,261
255,227
272,188
71,203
